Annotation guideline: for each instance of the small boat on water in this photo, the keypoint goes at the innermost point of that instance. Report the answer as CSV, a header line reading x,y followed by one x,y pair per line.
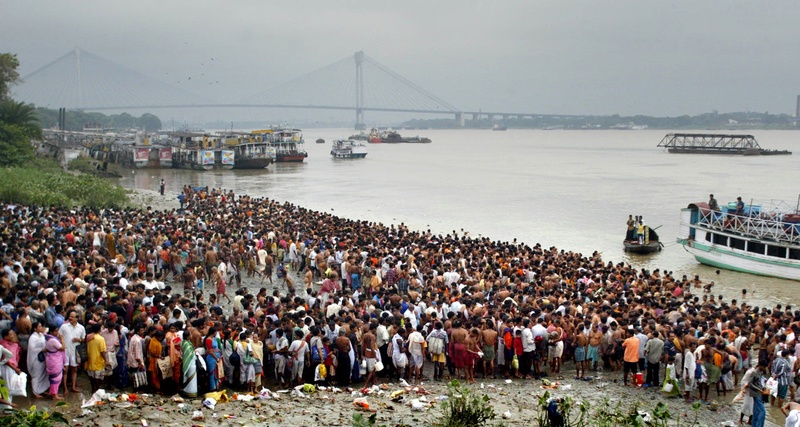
x,y
396,138
320,141
647,245
375,137
361,136
762,239
348,149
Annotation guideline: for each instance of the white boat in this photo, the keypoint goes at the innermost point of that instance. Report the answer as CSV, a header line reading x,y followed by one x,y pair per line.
x,y
757,241
348,149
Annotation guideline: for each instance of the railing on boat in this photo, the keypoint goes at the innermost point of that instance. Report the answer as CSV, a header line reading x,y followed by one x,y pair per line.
x,y
769,226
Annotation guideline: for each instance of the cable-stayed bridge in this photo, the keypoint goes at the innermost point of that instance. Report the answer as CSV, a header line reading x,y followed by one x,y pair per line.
x,y
83,81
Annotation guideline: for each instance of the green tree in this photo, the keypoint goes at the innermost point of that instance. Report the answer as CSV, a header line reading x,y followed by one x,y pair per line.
x,y
8,73
149,122
15,145
22,115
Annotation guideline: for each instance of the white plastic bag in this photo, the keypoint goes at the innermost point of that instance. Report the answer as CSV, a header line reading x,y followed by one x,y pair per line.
x,y
378,366
18,384
668,388
772,385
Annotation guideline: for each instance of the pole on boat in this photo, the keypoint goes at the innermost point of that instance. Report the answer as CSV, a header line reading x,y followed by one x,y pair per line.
x,y
797,208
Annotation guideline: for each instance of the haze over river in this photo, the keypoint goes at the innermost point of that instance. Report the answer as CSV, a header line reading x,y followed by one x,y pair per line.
x,y
569,189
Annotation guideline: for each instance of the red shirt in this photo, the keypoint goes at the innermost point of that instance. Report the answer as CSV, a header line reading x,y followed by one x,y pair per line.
x,y
518,346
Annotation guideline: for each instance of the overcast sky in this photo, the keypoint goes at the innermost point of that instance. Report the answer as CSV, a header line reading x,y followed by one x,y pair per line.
x,y
563,57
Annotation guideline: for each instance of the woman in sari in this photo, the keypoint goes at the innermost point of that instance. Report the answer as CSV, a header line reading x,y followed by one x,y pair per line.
x,y
154,350
212,357
173,340
188,366
54,361
121,371
36,368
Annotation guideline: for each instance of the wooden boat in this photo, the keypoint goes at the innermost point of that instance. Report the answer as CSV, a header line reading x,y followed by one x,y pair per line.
x,y
649,245
320,141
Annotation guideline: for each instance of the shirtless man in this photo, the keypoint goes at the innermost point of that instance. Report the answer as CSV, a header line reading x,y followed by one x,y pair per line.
x,y
556,349
24,329
489,337
268,263
211,259
321,263
459,349
581,342
308,279
593,352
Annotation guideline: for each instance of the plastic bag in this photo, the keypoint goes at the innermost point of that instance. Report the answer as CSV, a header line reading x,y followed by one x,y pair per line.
x,y
668,387
515,362
17,384
98,396
219,396
417,405
772,385
378,366
361,403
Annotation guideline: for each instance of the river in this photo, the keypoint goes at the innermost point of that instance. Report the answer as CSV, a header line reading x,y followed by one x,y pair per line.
x,y
569,189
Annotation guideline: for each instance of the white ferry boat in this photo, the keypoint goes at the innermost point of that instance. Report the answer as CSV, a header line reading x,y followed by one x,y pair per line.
x,y
348,149
757,241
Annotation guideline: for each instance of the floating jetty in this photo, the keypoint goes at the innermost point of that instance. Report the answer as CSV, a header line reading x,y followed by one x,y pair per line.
x,y
704,143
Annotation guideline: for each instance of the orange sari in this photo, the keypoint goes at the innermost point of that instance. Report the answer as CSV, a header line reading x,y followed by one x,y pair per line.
x,y
154,351
174,343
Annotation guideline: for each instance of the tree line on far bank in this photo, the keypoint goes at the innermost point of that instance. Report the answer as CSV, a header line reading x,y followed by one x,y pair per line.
x,y
81,120
710,121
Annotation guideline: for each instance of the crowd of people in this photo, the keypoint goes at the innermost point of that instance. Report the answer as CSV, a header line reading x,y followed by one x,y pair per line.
x,y
134,298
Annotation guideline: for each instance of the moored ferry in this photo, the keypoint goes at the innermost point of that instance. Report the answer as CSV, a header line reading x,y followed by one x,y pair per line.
x,y
199,151
288,143
746,238
251,151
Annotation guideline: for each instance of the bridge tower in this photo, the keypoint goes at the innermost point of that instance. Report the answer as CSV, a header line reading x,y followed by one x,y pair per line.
x,y
359,91
80,78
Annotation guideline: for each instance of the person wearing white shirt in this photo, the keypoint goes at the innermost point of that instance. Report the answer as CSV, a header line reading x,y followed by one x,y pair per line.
x,y
689,366
72,333
410,316
332,309
528,348
456,307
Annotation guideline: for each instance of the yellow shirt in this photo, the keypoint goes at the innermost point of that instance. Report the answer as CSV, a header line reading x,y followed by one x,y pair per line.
x,y
95,349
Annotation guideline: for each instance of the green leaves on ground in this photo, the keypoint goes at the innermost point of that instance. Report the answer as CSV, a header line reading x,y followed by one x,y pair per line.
x,y
32,418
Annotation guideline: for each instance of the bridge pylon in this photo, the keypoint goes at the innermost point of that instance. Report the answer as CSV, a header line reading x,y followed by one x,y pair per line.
x,y
359,57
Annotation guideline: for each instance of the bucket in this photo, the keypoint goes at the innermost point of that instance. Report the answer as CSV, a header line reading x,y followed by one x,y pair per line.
x,y
639,379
